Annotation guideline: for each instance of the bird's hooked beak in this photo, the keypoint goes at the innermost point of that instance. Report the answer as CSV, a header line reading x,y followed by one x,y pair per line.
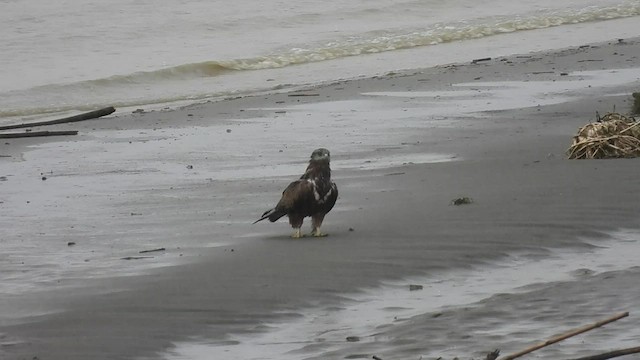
x,y
321,154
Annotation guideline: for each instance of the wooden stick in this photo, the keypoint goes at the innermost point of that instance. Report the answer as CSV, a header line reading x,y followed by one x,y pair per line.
x,y
75,118
136,257
152,250
612,354
631,127
475,61
566,335
38,133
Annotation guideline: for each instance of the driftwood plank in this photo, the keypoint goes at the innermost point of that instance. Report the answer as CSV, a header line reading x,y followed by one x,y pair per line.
x,y
75,118
38,133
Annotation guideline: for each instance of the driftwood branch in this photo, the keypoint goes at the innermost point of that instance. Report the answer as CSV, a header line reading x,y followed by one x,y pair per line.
x,y
152,250
475,61
38,133
612,354
136,257
566,335
80,117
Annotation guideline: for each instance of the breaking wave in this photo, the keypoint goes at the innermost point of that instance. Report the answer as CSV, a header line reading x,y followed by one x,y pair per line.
x,y
380,42
361,44
438,34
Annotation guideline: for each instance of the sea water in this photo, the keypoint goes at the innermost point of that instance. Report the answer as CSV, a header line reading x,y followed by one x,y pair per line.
x,y
71,55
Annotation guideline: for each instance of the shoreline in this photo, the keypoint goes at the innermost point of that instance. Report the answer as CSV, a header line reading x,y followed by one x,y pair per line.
x,y
150,119
516,42
510,160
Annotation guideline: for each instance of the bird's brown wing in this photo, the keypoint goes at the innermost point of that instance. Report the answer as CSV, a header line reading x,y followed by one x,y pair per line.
x,y
331,199
297,200
297,197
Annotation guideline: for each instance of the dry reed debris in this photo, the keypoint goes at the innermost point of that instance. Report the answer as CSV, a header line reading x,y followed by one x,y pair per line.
x,y
612,136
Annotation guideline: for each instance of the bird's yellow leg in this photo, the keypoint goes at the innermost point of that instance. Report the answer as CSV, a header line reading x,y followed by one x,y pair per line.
x,y
317,233
297,234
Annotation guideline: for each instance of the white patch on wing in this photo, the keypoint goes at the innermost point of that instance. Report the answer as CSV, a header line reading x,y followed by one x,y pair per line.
x,y
315,189
326,196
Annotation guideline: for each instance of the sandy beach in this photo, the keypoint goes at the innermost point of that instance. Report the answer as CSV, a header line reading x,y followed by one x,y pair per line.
x,y
76,213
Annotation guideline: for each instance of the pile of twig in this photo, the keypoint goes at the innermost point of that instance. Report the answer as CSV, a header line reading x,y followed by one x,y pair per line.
x,y
612,136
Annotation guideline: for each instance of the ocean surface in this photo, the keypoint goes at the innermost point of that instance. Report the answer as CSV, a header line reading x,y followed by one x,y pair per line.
x,y
73,55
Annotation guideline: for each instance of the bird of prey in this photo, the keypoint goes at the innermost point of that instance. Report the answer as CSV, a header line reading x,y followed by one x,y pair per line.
x,y
314,195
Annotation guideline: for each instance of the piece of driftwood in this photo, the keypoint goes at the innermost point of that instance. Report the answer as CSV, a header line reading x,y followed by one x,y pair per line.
x,y
565,335
612,354
136,257
475,61
80,117
38,133
152,250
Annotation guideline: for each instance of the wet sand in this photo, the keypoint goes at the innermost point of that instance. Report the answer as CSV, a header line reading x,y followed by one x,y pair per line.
x,y
403,146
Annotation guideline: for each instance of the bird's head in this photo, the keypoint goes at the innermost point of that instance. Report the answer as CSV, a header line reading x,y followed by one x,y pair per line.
x,y
321,154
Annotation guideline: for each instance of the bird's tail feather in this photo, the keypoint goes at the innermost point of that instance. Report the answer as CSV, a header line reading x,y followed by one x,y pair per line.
x,y
272,214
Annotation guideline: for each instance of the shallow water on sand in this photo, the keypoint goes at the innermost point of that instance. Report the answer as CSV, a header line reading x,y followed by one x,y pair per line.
x,y
136,172
509,305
